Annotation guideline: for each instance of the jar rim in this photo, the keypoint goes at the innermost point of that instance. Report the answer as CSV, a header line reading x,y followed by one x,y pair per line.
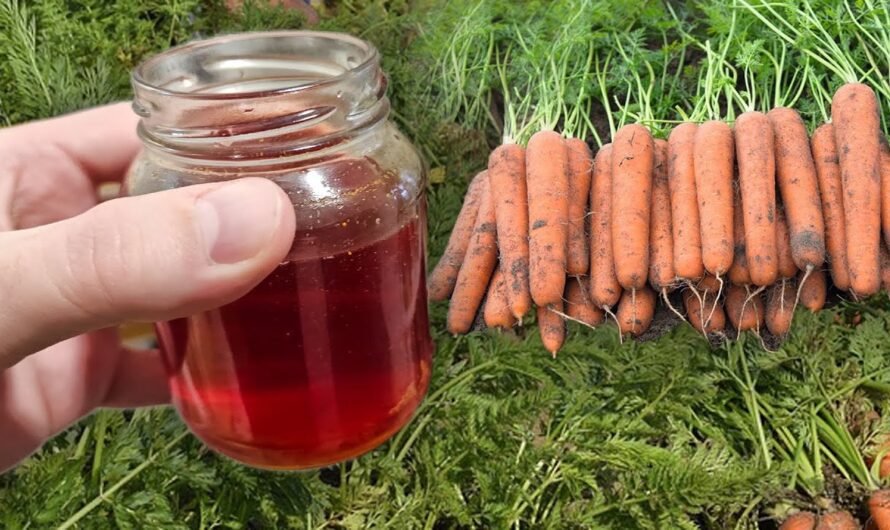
x,y
140,73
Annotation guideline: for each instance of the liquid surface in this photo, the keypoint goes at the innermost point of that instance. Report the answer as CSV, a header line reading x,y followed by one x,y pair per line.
x,y
321,362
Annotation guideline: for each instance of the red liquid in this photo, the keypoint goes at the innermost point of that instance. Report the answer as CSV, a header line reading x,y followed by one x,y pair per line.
x,y
323,361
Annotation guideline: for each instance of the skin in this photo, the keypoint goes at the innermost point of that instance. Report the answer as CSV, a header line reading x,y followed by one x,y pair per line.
x,y
64,258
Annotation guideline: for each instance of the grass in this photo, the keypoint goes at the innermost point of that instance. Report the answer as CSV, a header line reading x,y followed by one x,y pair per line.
x,y
664,434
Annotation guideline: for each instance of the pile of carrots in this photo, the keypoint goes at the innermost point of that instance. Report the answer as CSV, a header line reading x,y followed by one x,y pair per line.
x,y
742,220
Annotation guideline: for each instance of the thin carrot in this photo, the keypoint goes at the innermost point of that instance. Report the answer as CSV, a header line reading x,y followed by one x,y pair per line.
x,y
497,312
739,271
879,508
579,306
813,290
604,288
552,327
885,189
635,311
580,173
799,521
633,160
885,268
546,166
684,203
506,173
477,268
780,308
699,310
661,243
755,153
441,281
713,159
828,171
837,521
855,114
787,268
743,313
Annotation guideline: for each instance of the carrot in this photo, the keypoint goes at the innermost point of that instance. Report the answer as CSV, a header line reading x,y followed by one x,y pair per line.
x,y
497,312
441,281
854,112
552,327
755,153
879,508
885,268
739,271
743,313
780,308
477,268
787,268
813,290
633,159
580,169
684,203
796,176
546,167
885,189
713,160
799,521
635,311
506,173
830,188
661,244
837,521
699,309
604,288
579,306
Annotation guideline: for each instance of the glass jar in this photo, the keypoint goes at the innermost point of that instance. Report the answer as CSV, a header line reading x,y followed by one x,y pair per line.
x,y
330,355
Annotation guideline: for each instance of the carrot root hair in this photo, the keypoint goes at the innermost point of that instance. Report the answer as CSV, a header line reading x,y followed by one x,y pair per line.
x,y
667,302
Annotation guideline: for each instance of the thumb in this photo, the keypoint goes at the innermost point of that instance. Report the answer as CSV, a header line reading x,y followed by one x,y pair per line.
x,y
152,257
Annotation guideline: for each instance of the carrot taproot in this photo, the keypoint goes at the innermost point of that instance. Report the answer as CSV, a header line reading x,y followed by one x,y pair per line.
x,y
885,189
743,310
755,155
552,326
841,520
685,223
506,174
604,288
440,283
855,115
879,508
635,311
813,289
799,188
546,167
580,169
478,266
828,171
497,312
704,312
799,521
739,271
633,159
707,283
713,151
661,243
579,306
787,268
780,307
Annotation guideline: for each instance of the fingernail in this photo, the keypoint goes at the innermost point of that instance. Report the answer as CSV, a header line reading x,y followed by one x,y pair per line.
x,y
238,219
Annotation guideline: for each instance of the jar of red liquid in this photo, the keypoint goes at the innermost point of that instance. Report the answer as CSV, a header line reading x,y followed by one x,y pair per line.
x,y
330,355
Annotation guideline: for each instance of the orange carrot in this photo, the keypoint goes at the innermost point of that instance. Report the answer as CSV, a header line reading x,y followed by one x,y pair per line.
x,y
477,268
546,167
506,173
885,189
743,314
713,160
787,268
755,153
580,169
661,253
854,112
879,508
579,306
739,271
799,521
712,312
837,521
780,308
552,327
497,312
885,269
441,281
684,203
633,159
813,290
604,288
635,311
828,171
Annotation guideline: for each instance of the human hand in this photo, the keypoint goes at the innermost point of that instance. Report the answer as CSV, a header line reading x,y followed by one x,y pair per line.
x,y
70,267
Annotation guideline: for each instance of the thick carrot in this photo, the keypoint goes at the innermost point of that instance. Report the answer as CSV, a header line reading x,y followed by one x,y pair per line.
x,y
799,521
633,159
684,203
813,290
755,153
546,168
580,169
739,271
579,306
635,311
854,112
552,327
441,281
879,508
604,288
714,159
780,307
497,312
828,171
787,268
661,242
477,268
837,521
743,313
796,176
885,189
712,312
506,173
